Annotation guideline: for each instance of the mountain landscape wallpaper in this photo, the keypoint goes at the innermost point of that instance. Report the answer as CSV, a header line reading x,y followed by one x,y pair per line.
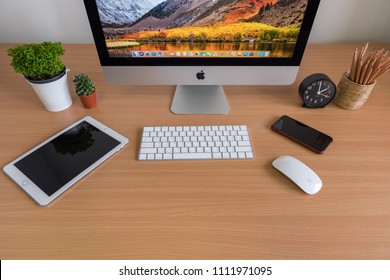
x,y
201,25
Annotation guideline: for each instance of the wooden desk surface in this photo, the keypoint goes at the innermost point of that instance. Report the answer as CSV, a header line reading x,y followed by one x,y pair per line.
x,y
127,209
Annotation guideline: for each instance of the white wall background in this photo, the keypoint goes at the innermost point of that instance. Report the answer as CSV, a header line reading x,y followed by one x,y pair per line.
x,y
337,21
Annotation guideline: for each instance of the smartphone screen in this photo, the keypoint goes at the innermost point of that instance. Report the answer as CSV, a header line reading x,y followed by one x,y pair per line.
x,y
302,133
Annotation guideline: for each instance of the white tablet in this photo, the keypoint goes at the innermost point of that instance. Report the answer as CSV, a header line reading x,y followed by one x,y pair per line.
x,y
53,166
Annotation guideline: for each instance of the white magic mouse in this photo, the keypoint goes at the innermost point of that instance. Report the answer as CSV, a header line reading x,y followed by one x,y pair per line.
x,y
299,173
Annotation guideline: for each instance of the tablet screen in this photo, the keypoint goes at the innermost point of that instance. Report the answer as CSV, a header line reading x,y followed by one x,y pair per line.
x,y
63,158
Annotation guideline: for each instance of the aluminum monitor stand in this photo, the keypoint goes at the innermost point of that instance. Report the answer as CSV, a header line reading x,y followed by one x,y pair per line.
x,y
204,99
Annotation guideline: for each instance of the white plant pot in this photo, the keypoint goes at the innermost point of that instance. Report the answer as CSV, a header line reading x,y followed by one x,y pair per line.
x,y
53,93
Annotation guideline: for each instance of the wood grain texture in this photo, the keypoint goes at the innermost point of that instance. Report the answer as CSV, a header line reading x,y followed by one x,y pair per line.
x,y
127,209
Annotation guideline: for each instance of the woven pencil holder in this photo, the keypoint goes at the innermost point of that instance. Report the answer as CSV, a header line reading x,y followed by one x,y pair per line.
x,y
350,95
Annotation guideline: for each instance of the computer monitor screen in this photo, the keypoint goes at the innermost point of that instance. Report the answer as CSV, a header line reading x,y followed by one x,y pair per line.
x,y
201,45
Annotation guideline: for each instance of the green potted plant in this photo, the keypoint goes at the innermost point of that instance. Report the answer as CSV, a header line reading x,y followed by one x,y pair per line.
x,y
85,89
44,71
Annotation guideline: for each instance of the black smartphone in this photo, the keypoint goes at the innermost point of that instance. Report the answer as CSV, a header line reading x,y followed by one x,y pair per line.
x,y
303,134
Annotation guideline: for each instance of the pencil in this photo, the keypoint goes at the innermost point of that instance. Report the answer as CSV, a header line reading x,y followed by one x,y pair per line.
x,y
359,65
353,66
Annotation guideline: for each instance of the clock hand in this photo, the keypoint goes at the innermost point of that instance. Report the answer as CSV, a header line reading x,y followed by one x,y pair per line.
x,y
318,92
319,88
323,94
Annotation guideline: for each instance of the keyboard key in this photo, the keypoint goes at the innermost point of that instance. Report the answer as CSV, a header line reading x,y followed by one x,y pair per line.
x,y
148,150
243,149
192,156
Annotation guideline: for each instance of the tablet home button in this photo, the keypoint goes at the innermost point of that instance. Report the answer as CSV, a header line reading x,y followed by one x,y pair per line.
x,y
25,183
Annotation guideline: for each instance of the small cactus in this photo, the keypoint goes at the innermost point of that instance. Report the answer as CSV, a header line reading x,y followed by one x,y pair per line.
x,y
84,85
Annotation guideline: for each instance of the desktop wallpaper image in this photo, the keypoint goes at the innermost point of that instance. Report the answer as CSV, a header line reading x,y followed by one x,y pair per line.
x,y
204,28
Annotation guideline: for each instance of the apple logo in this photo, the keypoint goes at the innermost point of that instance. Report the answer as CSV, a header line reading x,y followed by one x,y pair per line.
x,y
200,75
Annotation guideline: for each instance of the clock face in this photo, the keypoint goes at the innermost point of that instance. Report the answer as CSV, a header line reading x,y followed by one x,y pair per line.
x,y
318,93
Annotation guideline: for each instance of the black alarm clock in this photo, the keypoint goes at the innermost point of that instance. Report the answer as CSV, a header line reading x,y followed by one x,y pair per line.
x,y
317,91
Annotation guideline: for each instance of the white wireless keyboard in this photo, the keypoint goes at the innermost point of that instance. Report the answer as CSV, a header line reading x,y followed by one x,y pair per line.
x,y
195,142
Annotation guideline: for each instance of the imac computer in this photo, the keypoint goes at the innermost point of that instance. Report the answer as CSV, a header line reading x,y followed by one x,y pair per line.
x,y
200,45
